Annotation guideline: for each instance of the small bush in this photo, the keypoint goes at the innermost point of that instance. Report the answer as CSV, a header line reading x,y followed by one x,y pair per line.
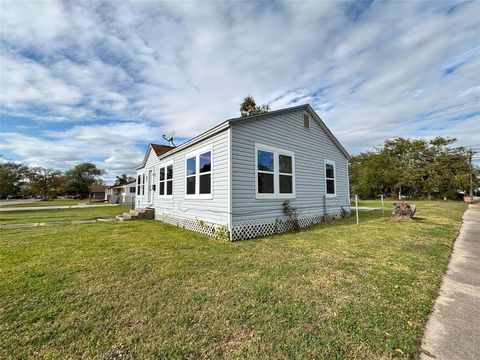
x,y
291,212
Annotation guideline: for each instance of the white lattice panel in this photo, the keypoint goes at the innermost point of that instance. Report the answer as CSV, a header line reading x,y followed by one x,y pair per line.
x,y
254,229
194,225
245,230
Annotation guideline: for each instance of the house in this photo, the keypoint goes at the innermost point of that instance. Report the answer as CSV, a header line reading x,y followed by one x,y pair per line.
x,y
233,179
97,192
121,194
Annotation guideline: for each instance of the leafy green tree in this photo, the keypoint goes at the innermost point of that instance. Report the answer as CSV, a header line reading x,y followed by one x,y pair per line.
x,y
12,179
123,179
46,183
79,179
249,107
415,168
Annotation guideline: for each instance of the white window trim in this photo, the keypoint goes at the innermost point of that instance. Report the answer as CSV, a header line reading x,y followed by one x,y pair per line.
x,y
164,166
196,154
331,162
149,182
138,191
276,173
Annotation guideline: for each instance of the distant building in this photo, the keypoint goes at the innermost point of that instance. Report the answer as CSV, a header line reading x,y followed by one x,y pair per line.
x,y
97,192
121,194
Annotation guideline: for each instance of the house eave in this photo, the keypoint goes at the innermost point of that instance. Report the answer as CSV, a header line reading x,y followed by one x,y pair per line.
x,y
227,123
304,107
328,132
205,135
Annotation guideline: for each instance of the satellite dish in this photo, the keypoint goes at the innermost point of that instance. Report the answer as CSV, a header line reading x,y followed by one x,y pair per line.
x,y
169,138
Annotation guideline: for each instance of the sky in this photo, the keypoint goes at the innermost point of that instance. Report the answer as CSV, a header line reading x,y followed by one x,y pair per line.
x,y
97,81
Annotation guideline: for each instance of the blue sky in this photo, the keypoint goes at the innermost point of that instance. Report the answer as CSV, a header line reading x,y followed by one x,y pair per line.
x,y
97,81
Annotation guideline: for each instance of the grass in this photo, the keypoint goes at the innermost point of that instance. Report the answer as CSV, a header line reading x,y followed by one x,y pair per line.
x,y
51,215
146,289
56,202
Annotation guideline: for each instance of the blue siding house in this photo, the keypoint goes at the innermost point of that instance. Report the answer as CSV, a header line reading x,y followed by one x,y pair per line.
x,y
232,180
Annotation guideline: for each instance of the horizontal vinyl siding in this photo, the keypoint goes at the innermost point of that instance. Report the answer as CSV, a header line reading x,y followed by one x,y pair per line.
x,y
213,210
311,148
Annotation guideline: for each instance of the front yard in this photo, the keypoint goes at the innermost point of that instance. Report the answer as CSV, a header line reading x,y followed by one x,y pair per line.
x,y
150,290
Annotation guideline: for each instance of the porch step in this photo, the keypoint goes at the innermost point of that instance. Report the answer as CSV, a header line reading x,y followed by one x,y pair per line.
x,y
137,214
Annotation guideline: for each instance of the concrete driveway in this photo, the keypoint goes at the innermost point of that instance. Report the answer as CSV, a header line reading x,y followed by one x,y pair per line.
x,y
453,329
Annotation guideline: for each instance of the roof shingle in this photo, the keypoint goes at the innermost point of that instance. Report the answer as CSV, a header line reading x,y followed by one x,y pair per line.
x,y
161,149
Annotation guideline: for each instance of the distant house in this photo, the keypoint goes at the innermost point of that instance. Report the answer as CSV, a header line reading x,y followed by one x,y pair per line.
x,y
234,178
97,192
121,194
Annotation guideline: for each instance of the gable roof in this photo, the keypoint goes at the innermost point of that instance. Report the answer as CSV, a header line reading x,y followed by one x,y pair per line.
x,y
227,123
98,188
304,107
159,150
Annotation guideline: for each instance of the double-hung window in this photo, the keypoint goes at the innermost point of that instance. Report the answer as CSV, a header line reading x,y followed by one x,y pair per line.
x,y
330,182
198,170
139,184
274,173
166,180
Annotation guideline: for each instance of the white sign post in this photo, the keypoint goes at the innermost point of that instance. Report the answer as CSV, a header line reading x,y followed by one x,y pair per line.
x,y
356,206
383,207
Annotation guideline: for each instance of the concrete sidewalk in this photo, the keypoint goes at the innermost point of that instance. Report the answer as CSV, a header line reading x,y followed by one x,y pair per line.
x,y
81,206
453,329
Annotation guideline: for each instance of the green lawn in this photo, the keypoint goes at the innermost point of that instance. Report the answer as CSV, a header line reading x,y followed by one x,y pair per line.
x,y
150,290
52,215
56,202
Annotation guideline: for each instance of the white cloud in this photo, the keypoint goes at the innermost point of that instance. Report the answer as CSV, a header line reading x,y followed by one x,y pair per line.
x,y
113,146
186,66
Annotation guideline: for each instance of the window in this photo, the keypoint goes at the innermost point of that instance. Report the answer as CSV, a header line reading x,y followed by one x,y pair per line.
x,y
166,180
132,190
274,173
285,174
306,121
139,184
330,185
143,185
198,170
265,172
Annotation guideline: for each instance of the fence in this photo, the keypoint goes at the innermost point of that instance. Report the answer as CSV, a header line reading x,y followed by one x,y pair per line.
x,y
368,208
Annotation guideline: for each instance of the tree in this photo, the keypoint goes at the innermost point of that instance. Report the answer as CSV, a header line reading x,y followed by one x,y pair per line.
x,y
123,179
12,179
414,168
46,183
249,107
80,178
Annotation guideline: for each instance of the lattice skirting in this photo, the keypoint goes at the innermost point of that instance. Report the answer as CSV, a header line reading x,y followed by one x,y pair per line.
x,y
199,226
245,230
258,228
